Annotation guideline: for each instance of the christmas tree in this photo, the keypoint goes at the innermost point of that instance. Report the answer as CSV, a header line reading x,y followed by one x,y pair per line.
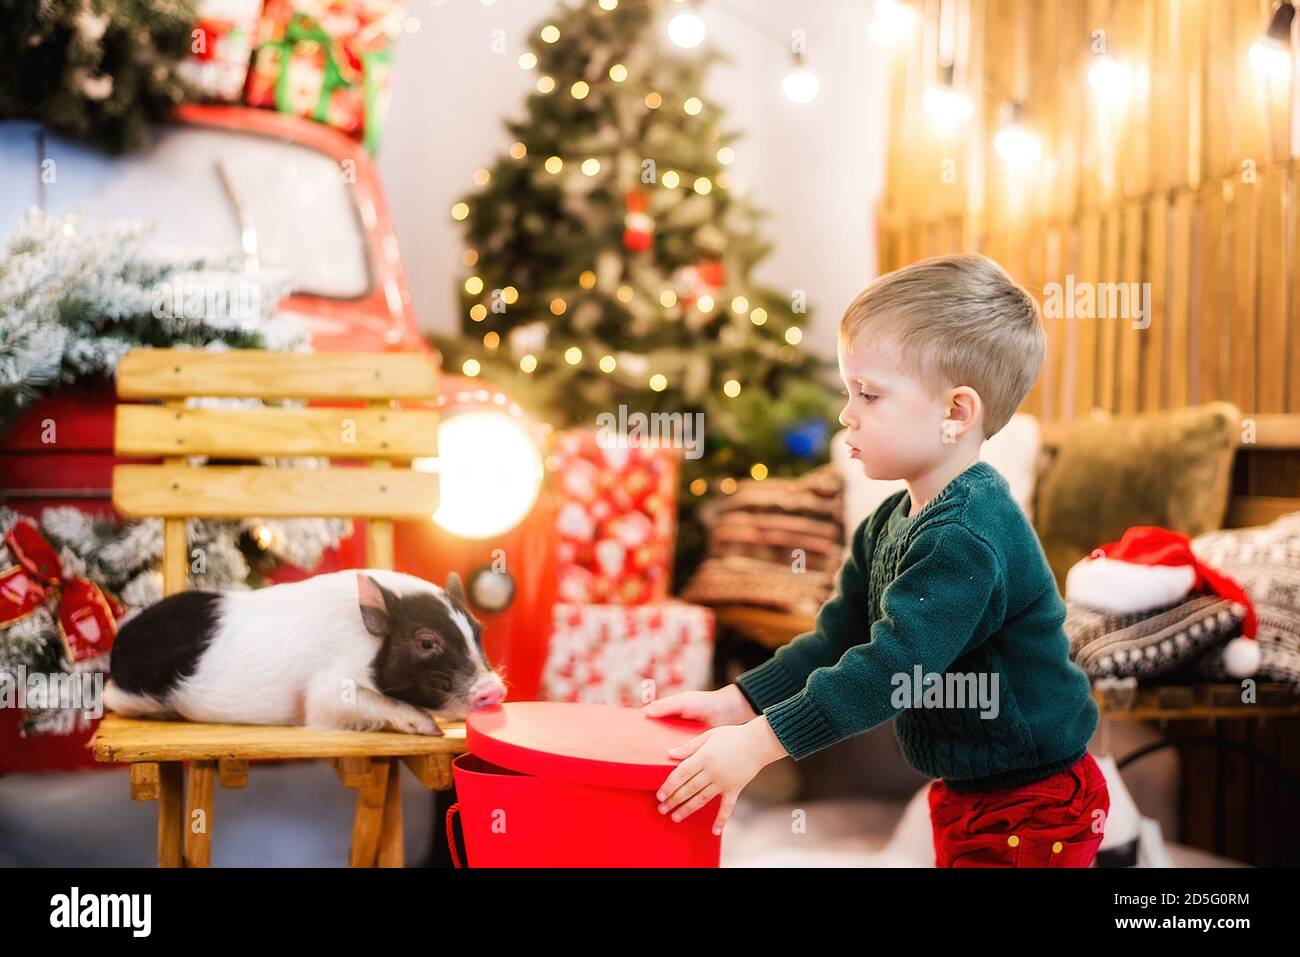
x,y
100,70
609,262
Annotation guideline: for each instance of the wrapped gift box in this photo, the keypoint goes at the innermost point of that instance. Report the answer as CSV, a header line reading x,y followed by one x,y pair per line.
x,y
615,517
628,655
328,60
220,48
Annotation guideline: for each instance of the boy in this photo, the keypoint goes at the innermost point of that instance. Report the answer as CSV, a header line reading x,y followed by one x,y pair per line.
x,y
947,618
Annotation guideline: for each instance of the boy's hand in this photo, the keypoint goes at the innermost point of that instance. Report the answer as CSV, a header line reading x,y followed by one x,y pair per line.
x,y
719,761
724,706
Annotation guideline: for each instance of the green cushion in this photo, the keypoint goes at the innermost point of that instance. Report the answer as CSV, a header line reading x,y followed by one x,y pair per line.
x,y
1171,468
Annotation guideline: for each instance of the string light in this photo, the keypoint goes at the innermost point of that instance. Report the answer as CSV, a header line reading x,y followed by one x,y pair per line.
x,y
699,486
653,100
759,471
492,340
469,257
509,295
478,312
703,186
731,388
618,73
474,285
527,363
459,211
481,177
668,299
740,304
889,22
704,303
553,164
800,84
1272,54
658,382
624,294
550,33
727,486
471,367
1108,76
944,104
670,179
693,105
608,363
758,316
726,155
587,280
1015,143
608,4
518,151
527,61
545,83
686,29
558,306
573,355
590,166
794,335
579,90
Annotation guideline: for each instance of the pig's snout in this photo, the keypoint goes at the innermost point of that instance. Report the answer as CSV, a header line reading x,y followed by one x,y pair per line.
x,y
487,691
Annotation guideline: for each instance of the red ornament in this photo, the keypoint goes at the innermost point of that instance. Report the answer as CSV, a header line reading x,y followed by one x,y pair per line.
x,y
639,227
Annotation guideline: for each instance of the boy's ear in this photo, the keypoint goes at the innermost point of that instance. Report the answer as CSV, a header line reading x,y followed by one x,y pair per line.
x,y
374,609
964,407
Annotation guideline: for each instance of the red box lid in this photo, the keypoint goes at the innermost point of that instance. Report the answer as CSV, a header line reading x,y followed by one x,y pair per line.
x,y
597,744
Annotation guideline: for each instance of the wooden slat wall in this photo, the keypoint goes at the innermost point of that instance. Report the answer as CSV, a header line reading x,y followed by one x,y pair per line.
x,y
1190,185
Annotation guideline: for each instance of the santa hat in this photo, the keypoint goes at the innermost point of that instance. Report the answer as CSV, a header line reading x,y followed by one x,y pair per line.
x,y
1152,567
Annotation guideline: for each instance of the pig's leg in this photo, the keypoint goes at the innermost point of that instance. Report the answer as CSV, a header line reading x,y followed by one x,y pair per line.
x,y
364,709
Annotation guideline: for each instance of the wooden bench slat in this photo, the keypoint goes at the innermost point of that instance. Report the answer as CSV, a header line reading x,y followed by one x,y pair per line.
x,y
259,374
239,491
131,740
148,430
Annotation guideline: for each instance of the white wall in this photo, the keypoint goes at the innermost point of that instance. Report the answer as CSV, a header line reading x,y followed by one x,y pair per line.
x,y
817,168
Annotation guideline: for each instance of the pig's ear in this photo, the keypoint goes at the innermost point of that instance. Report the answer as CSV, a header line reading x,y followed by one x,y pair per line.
x,y
374,610
456,589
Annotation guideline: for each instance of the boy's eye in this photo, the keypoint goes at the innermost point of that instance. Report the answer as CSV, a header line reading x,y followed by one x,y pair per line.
x,y
868,396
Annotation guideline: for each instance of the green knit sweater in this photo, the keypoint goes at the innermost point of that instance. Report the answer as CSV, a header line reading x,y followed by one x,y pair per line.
x,y
948,622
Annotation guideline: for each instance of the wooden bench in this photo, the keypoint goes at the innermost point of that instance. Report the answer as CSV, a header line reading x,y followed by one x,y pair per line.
x,y
383,489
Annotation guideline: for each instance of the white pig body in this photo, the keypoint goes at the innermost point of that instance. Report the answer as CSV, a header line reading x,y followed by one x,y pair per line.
x,y
306,653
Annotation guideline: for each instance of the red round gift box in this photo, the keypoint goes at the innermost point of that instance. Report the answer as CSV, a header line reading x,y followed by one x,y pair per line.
x,y
559,784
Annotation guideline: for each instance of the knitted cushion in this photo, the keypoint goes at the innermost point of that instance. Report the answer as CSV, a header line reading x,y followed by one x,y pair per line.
x,y
1159,468
1265,561
776,544
1146,643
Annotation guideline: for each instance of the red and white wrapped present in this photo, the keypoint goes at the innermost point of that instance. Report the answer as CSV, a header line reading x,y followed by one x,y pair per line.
x,y
615,518
628,655
221,44
330,60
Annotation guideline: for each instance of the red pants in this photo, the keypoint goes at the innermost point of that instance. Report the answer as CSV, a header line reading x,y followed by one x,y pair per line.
x,y
1055,822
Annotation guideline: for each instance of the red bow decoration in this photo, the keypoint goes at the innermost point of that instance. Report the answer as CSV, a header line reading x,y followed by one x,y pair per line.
x,y
1153,545
87,615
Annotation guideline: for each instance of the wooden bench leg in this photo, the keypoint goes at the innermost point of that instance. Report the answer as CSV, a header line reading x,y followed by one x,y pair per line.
x,y
171,803
198,814
367,826
391,851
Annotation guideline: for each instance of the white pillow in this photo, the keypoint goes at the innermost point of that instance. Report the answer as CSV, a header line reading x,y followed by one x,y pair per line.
x,y
1013,451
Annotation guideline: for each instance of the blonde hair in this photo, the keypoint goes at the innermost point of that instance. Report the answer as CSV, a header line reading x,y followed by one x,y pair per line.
x,y
956,320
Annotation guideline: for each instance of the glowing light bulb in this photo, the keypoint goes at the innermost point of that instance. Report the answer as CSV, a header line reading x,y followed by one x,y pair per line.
x,y
686,30
891,20
1108,76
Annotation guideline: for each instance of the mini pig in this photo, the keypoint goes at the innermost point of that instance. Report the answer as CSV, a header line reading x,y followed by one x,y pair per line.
x,y
364,649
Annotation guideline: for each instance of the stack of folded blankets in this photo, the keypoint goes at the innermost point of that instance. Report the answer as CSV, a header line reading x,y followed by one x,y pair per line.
x,y
776,543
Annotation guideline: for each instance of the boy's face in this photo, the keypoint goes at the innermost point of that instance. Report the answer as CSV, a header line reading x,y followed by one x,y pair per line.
x,y
893,422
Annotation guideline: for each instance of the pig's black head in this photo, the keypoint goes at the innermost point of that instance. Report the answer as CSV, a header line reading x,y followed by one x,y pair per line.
x,y
432,651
